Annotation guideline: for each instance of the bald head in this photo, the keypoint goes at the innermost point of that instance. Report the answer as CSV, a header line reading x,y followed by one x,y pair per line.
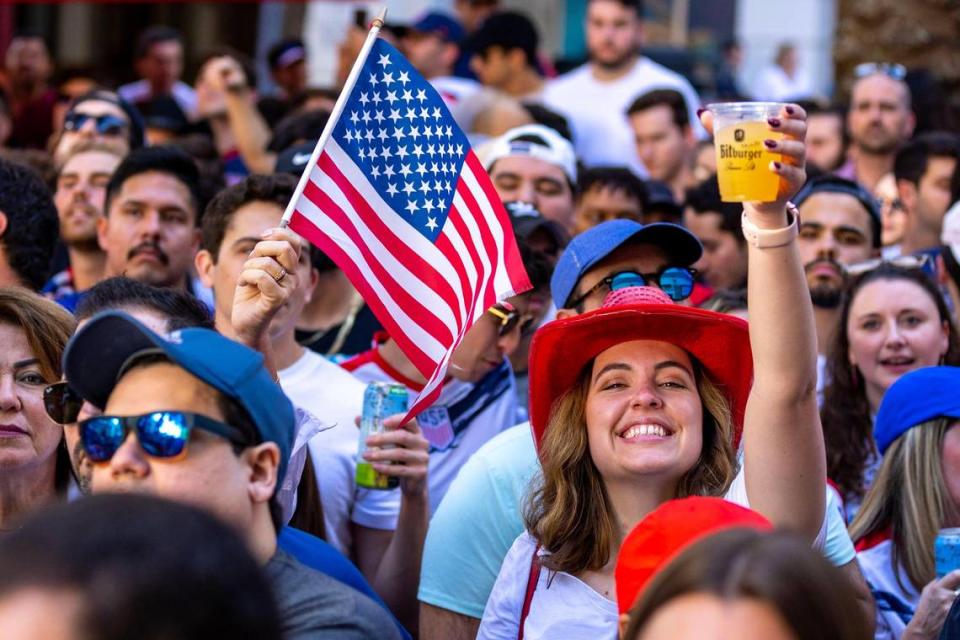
x,y
880,117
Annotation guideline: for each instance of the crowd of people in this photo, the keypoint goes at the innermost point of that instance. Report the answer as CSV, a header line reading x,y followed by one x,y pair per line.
x,y
705,419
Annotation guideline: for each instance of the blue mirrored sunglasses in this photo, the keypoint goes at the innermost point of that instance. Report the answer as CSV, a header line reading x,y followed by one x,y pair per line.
x,y
107,125
676,282
161,434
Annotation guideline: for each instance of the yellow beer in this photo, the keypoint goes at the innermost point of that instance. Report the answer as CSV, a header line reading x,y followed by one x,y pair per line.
x,y
743,161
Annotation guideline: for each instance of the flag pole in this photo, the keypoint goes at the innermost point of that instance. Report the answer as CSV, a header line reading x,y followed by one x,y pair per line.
x,y
375,27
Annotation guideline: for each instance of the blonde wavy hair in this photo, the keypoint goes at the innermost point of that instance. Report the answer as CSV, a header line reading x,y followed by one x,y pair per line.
x,y
909,497
569,511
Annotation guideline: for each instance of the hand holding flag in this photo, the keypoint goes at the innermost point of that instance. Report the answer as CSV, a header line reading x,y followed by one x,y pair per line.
x,y
397,199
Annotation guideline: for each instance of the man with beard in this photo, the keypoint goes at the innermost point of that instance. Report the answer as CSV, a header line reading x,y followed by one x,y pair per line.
x,y
839,226
149,228
880,119
81,190
594,97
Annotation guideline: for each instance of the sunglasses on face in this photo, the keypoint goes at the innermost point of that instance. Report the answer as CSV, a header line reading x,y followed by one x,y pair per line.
x,y
922,261
107,125
676,282
510,318
62,403
891,70
161,434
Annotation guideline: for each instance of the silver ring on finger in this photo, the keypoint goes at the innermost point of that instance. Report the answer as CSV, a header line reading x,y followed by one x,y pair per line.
x,y
280,276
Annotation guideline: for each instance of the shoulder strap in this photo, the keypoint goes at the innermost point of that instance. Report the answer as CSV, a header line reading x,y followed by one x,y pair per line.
x,y
532,580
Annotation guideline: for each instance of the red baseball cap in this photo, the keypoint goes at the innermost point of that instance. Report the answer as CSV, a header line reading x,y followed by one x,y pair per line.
x,y
666,532
561,349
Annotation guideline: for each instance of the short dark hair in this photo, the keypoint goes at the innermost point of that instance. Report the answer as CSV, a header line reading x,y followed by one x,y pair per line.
x,y
163,159
669,98
181,309
155,35
636,5
549,118
614,179
298,127
32,223
277,188
705,198
508,30
247,65
134,578
912,159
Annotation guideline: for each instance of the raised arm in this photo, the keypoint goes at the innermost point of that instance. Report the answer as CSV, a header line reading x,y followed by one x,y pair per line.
x,y
784,459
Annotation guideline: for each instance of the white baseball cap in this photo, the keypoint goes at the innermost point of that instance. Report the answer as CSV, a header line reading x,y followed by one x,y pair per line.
x,y
950,235
555,150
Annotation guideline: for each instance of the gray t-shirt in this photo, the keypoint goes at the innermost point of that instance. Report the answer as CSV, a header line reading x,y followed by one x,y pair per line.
x,y
313,605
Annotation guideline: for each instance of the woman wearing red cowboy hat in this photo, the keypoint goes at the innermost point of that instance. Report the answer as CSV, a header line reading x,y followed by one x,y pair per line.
x,y
644,400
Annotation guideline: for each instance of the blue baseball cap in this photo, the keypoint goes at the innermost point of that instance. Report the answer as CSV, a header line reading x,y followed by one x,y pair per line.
x,y
595,244
440,24
99,353
915,398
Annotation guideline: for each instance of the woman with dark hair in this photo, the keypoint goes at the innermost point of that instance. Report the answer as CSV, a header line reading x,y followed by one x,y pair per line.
x,y
34,466
747,584
893,319
916,493
643,400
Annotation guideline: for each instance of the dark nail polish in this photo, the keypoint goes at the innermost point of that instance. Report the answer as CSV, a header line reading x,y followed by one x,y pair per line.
x,y
770,144
774,122
789,110
700,111
777,166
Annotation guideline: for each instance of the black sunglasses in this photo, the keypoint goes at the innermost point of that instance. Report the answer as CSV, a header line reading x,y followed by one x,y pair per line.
x,y
62,403
161,434
510,318
676,282
107,124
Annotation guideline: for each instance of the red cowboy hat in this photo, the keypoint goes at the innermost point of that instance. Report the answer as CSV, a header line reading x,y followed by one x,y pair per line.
x,y
669,530
561,349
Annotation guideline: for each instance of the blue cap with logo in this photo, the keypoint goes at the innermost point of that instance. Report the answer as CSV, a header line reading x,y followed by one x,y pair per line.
x,y
917,397
595,244
441,25
100,352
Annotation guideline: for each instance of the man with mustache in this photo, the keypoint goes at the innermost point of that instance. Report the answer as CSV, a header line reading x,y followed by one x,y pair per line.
x,y
839,226
79,197
149,231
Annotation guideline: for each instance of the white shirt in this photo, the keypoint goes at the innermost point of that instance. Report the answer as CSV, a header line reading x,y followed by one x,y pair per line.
x,y
775,85
336,398
562,605
461,420
182,93
597,111
895,604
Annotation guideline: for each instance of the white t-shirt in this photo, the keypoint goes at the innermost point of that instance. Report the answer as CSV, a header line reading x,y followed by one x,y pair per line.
x,y
182,93
462,419
336,398
775,85
597,111
895,605
562,605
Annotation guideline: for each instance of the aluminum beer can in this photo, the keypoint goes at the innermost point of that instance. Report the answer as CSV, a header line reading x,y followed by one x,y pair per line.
x,y
946,551
380,400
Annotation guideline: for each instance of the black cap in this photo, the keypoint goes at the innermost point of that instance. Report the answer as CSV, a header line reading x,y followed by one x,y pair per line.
x,y
293,159
508,30
286,53
527,219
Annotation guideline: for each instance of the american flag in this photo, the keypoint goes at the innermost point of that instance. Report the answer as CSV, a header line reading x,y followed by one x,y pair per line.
x,y
400,202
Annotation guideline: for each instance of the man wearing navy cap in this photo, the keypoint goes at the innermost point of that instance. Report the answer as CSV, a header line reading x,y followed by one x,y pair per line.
x,y
195,417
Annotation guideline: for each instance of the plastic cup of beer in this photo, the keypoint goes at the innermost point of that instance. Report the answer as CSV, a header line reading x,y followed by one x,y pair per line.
x,y
743,161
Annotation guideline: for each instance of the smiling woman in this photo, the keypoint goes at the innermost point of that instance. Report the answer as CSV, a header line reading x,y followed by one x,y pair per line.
x,y
34,466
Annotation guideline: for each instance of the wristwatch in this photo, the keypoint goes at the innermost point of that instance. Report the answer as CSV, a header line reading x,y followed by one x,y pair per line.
x,y
770,238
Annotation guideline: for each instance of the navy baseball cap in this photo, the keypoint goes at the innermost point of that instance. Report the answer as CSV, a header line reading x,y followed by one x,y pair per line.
x,y
835,184
595,244
527,220
916,397
98,354
440,24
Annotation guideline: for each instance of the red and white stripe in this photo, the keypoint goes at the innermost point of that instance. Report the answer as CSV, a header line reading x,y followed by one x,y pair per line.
x,y
425,294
